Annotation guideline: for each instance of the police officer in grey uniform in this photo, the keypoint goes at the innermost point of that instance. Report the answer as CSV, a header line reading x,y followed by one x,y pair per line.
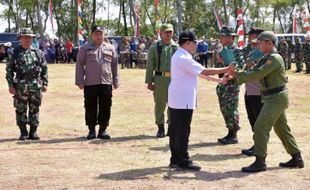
x,y
97,74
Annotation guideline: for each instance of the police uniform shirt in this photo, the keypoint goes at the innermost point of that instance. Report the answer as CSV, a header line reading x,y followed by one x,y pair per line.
x,y
182,93
97,65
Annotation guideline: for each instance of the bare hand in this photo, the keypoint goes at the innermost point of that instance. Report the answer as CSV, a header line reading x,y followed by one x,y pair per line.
x,y
81,86
250,65
12,90
220,59
150,86
115,86
44,88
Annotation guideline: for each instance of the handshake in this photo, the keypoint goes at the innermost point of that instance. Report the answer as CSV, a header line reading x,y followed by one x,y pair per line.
x,y
229,75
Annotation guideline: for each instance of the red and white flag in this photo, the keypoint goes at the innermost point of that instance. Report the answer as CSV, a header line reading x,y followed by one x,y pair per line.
x,y
240,30
218,19
51,17
295,24
305,17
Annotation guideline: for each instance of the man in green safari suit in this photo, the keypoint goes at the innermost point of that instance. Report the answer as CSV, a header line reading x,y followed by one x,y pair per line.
x,y
158,74
270,71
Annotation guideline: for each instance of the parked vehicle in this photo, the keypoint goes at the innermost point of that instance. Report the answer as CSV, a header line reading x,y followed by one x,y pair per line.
x,y
291,36
9,37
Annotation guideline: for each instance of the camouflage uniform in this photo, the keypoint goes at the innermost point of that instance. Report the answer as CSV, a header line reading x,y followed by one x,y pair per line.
x,y
283,50
29,68
298,55
228,94
306,49
289,53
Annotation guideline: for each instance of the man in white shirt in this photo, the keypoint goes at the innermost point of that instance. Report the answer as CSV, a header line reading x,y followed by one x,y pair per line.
x,y
182,98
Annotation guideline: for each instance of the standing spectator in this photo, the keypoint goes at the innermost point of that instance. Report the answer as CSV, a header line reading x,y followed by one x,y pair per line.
x,y
69,48
157,75
202,50
307,54
97,74
133,50
298,55
124,52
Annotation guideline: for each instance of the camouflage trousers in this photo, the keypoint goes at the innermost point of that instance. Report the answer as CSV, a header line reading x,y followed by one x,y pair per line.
x,y
299,62
228,96
24,99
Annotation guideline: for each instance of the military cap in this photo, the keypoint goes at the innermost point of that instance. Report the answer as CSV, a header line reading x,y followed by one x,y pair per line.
x,y
255,30
26,32
187,36
166,27
227,31
267,35
97,28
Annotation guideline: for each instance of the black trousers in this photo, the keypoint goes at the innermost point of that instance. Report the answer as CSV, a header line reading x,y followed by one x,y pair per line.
x,y
253,105
97,98
203,59
179,133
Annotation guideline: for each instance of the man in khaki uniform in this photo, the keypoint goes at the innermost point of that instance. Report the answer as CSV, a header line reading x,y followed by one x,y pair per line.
x,y
270,70
158,74
97,74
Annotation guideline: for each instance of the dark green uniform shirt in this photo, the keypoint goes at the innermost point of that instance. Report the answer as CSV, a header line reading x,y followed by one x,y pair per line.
x,y
270,71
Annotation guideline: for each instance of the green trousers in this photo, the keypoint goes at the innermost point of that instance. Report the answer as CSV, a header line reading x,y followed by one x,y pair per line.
x,y
273,114
161,98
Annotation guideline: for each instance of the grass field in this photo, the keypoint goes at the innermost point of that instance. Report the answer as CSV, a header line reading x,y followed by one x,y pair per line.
x,y
133,158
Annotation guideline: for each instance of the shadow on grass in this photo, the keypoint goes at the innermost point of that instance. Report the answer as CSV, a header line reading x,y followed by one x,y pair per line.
x,y
80,139
216,157
123,139
169,174
8,140
167,148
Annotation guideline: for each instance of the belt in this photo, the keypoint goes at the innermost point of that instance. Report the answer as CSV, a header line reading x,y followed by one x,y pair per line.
x,y
273,91
164,74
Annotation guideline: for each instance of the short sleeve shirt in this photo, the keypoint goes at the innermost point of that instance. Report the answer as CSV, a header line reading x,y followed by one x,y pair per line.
x,y
182,92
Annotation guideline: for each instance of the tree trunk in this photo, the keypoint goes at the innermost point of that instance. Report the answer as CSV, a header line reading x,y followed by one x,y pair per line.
x,y
179,13
132,12
124,18
274,18
94,13
119,17
39,17
225,12
280,21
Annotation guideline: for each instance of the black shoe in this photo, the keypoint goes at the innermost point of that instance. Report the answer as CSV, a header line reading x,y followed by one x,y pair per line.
x,y
33,133
92,132
231,138
161,131
190,166
23,133
102,134
295,162
173,165
248,152
258,166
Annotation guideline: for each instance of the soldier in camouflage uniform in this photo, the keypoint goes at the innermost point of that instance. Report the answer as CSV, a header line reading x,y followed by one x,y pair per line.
x,y
26,74
289,53
298,55
228,94
306,50
283,50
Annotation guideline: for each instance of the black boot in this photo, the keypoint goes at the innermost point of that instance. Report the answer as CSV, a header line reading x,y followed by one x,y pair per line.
x,y
33,133
23,133
102,134
248,152
92,132
258,166
161,131
231,138
295,162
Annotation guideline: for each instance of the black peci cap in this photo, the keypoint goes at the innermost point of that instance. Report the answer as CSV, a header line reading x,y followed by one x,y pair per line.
x,y
255,30
187,36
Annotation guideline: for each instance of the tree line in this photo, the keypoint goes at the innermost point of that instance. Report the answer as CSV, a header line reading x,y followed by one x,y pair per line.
x,y
197,15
